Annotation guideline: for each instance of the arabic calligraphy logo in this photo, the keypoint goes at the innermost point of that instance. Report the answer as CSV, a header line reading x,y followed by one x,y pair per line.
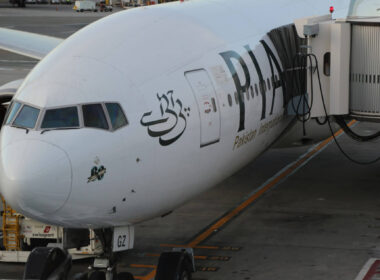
x,y
97,174
171,123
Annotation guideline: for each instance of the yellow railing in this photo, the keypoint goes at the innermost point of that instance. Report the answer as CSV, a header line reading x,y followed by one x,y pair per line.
x,y
11,228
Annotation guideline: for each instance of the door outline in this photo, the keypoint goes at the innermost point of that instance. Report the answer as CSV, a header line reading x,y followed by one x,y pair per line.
x,y
203,138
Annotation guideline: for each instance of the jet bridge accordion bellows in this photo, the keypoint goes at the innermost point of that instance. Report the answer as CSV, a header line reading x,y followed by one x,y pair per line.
x,y
365,70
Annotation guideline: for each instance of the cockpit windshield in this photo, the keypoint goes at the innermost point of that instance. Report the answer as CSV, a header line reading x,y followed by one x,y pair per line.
x,y
27,117
93,116
12,111
103,115
61,118
364,8
116,115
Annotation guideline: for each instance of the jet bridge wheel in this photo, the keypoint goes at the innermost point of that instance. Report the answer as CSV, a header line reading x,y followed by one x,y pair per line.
x,y
44,263
174,266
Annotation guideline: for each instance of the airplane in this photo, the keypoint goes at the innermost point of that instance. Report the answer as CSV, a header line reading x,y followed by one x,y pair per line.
x,y
188,93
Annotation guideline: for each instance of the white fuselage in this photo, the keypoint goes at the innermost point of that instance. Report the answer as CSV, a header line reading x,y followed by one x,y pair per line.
x,y
169,67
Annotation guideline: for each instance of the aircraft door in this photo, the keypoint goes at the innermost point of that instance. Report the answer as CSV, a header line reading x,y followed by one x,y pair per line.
x,y
208,106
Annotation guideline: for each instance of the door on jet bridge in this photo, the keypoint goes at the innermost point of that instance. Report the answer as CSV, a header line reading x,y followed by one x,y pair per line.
x,y
208,106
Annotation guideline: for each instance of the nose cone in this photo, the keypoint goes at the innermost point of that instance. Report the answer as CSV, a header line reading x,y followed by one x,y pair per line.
x,y
35,177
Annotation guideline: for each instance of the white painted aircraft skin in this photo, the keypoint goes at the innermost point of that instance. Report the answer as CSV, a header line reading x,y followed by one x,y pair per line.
x,y
135,58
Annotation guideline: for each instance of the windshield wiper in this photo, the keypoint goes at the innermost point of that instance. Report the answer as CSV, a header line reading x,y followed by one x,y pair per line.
x,y
58,128
26,129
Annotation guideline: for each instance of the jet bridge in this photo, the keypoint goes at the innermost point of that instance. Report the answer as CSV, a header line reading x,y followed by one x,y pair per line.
x,y
347,54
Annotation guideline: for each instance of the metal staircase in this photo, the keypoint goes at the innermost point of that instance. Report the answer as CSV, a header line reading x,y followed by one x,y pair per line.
x,y
11,228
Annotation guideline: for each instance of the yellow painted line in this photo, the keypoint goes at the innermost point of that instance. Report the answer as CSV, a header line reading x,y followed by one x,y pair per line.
x,y
150,276
207,269
196,247
269,185
288,171
196,257
173,245
207,247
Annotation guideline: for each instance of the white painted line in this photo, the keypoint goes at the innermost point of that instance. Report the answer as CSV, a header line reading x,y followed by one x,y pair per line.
x,y
364,272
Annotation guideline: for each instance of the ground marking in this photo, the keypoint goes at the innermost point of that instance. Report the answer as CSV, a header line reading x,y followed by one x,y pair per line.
x,y
370,270
274,181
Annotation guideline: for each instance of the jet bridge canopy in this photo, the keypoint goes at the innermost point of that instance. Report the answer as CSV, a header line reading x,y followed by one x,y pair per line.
x,y
364,8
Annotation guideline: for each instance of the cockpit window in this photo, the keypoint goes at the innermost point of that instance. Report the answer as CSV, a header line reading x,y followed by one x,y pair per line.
x,y
93,116
60,118
27,117
116,114
12,112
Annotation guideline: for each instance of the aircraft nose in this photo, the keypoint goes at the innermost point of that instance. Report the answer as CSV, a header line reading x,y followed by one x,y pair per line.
x,y
35,176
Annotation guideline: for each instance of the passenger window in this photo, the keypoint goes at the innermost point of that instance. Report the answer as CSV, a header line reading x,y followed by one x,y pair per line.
x,y
213,104
263,86
93,116
12,112
27,117
229,100
63,117
116,114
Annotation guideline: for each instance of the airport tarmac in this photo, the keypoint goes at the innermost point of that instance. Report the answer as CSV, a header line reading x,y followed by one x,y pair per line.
x,y
296,213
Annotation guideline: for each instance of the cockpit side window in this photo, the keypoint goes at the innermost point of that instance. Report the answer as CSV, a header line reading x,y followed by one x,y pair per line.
x,y
116,115
12,111
27,117
93,116
61,118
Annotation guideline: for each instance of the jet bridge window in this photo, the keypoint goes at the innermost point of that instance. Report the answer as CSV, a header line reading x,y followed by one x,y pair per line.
x,y
93,116
27,117
61,118
116,115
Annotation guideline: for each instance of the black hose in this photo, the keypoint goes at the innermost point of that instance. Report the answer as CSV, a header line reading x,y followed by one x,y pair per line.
x,y
329,122
361,138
